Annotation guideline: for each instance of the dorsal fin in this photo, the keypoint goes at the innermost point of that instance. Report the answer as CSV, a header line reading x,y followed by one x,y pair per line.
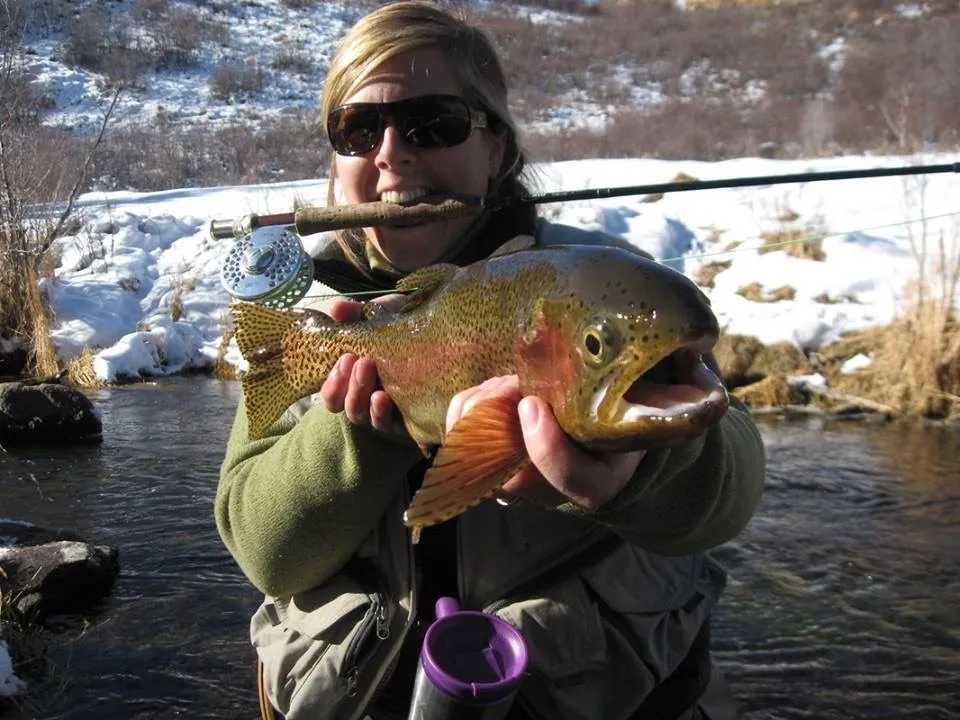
x,y
520,242
422,283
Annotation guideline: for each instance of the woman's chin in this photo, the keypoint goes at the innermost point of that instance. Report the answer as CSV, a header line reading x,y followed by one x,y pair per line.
x,y
408,252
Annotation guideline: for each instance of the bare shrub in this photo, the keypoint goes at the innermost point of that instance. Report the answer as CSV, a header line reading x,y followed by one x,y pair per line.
x,y
159,155
101,41
898,87
22,104
231,80
84,42
13,22
293,59
149,10
123,67
675,129
179,34
39,167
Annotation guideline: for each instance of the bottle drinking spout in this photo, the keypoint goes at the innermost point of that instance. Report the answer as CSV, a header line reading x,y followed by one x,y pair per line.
x,y
471,666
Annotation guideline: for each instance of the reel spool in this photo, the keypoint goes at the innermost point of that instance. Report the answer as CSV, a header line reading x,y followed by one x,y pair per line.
x,y
269,266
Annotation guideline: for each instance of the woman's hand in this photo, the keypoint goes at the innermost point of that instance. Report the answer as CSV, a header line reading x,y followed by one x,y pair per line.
x,y
561,471
352,387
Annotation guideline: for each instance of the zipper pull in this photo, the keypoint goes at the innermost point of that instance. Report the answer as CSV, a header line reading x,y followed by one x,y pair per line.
x,y
383,624
352,679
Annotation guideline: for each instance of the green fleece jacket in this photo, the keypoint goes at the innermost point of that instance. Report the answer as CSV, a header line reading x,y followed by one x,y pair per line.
x,y
294,506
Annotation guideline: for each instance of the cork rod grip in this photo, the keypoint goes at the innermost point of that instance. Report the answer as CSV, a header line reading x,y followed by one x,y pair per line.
x,y
310,220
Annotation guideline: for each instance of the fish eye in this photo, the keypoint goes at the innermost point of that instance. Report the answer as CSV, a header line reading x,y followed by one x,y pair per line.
x,y
600,342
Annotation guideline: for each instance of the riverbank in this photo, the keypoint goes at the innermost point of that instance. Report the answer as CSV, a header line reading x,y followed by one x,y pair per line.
x,y
859,277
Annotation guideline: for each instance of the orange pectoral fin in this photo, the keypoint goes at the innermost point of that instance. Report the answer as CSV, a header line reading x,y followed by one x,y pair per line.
x,y
482,451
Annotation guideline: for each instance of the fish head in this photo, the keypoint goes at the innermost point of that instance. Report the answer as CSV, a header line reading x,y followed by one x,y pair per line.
x,y
617,348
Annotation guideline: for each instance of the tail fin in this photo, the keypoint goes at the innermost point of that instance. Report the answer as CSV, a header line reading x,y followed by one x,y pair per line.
x,y
267,388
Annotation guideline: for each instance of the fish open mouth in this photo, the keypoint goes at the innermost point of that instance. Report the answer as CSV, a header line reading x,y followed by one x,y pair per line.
x,y
679,390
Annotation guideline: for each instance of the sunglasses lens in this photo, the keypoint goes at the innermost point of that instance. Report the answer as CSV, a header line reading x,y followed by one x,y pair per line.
x,y
433,121
355,129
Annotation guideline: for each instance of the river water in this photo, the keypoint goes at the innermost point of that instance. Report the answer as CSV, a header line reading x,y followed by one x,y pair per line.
x,y
843,601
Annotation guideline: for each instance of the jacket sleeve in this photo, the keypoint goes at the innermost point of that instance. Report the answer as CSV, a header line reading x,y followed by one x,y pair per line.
x,y
694,495
292,507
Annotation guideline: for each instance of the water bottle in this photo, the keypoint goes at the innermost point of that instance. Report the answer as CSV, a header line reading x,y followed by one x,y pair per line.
x,y
471,665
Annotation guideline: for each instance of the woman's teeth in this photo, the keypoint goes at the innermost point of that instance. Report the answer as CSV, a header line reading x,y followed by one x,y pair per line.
x,y
402,196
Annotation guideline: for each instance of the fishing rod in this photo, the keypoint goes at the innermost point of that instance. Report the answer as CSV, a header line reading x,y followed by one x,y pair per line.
x,y
309,220
268,264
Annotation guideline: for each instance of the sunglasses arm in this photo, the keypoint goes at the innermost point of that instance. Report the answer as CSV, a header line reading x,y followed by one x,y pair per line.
x,y
309,220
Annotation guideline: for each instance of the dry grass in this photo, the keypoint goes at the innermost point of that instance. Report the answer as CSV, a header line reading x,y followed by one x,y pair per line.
x,y
795,242
680,177
915,368
916,360
24,311
80,370
772,391
46,681
182,284
12,632
706,273
756,292
735,354
223,369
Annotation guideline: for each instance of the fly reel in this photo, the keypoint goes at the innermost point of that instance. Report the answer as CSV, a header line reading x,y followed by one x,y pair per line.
x,y
269,266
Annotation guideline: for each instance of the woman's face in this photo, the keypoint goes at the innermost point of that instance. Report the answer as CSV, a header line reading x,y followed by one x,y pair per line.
x,y
396,170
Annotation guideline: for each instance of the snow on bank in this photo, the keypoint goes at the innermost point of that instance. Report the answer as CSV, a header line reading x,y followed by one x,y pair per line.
x,y
139,281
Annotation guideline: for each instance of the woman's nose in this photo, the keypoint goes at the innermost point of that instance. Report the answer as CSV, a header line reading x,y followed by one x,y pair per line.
x,y
393,148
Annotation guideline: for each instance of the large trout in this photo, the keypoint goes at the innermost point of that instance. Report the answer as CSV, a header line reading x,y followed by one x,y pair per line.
x,y
614,342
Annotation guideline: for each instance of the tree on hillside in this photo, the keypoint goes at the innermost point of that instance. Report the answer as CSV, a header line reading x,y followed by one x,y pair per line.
x,y
42,171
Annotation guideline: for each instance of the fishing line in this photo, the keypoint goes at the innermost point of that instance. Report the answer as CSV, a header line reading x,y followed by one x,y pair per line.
x,y
267,262
680,258
815,238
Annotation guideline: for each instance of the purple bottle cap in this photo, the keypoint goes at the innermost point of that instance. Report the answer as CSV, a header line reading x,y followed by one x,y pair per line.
x,y
471,656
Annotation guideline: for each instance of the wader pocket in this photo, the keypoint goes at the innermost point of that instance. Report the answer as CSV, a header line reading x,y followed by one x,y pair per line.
x,y
314,647
567,649
656,604
601,640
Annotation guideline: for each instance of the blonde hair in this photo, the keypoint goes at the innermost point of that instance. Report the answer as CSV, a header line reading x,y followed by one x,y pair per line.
x,y
412,25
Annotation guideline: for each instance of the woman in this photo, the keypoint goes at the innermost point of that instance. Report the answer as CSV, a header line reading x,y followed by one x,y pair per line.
x,y
596,557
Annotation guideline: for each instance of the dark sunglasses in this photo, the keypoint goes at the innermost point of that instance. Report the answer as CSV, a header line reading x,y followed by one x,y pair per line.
x,y
428,121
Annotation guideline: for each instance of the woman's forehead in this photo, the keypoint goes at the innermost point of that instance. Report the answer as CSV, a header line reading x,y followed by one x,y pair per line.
x,y
407,75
